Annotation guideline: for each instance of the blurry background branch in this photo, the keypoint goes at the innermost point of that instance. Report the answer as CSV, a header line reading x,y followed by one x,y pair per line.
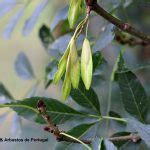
x,y
127,40
117,22
132,137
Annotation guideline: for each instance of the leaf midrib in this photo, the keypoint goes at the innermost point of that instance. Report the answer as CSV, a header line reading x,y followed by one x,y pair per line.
x,y
19,105
89,101
36,111
132,93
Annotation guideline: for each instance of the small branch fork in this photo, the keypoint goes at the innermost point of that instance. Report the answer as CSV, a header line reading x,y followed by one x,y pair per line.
x,y
126,27
53,129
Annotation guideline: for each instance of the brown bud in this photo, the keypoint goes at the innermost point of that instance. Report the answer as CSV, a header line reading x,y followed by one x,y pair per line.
x,y
125,26
46,128
40,104
59,138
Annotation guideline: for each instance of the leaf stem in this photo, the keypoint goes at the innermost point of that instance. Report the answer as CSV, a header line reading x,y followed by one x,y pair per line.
x,y
71,137
112,76
94,116
79,28
87,25
114,118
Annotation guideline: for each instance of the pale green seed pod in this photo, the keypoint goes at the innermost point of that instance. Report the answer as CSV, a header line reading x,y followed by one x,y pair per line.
x,y
67,81
61,66
66,88
59,72
86,64
73,13
75,65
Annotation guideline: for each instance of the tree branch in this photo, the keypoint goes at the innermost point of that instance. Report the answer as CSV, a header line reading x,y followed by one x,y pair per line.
x,y
52,128
126,27
132,137
131,41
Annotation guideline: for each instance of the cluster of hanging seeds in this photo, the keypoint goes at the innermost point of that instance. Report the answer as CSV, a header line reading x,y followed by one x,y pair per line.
x,y
72,66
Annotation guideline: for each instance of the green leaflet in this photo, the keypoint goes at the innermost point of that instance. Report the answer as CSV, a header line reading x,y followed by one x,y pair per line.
x,y
75,65
61,66
86,98
133,94
59,112
67,81
74,11
86,64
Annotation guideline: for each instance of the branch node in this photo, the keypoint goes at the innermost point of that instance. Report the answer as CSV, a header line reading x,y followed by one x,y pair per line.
x,y
46,129
90,4
52,127
126,26
89,8
135,138
131,41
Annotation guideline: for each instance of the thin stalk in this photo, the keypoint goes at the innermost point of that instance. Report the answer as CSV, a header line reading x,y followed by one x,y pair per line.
x,y
71,137
114,118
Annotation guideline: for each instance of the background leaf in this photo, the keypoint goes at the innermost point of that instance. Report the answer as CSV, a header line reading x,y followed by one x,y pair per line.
x,y
97,59
105,145
5,96
80,130
16,125
50,72
3,116
60,44
105,38
99,66
45,36
6,6
31,21
60,16
142,129
12,23
133,94
86,98
99,144
23,67
114,114
32,91
58,111
109,145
